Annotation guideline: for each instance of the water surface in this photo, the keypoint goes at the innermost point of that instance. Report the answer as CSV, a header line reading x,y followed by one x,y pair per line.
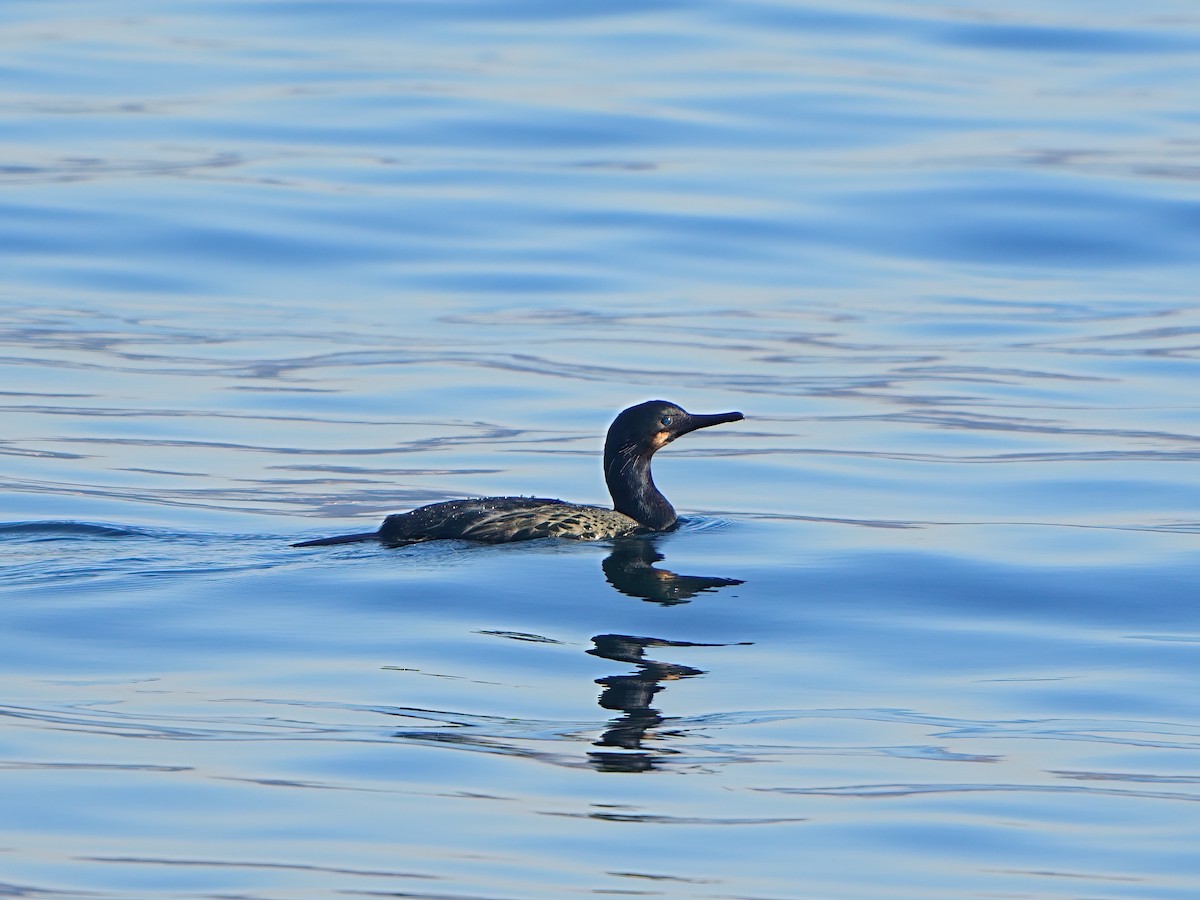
x,y
274,270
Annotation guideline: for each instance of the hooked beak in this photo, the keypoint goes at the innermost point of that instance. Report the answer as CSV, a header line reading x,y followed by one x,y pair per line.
x,y
697,421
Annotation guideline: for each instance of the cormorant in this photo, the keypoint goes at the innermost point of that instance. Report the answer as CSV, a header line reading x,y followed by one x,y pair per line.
x,y
638,506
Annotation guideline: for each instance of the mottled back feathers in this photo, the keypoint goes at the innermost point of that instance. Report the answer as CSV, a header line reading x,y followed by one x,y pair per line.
x,y
495,520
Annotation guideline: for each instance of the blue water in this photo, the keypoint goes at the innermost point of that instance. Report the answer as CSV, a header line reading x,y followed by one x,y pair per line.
x,y
273,270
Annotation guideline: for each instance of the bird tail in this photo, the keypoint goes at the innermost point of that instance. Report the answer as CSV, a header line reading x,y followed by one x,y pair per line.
x,y
340,539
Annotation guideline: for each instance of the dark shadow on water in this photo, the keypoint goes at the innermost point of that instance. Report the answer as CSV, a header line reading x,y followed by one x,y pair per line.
x,y
621,743
630,569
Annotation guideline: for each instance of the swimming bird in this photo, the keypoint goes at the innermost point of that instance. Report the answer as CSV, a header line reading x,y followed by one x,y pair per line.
x,y
638,506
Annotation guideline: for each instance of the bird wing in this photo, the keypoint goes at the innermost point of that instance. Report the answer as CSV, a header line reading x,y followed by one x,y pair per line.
x,y
561,520
501,519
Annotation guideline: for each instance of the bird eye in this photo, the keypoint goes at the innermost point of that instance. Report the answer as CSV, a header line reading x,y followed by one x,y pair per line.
x,y
665,421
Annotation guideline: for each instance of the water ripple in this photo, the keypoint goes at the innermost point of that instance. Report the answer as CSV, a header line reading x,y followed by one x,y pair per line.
x,y
504,735
284,261
911,790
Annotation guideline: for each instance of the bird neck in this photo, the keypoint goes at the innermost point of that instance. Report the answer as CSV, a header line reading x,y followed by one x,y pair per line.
x,y
627,473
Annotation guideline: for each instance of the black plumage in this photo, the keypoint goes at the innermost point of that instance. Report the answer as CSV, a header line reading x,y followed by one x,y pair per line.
x,y
638,506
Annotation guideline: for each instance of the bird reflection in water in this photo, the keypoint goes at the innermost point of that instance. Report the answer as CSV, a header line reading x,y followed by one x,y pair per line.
x,y
632,696
630,569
